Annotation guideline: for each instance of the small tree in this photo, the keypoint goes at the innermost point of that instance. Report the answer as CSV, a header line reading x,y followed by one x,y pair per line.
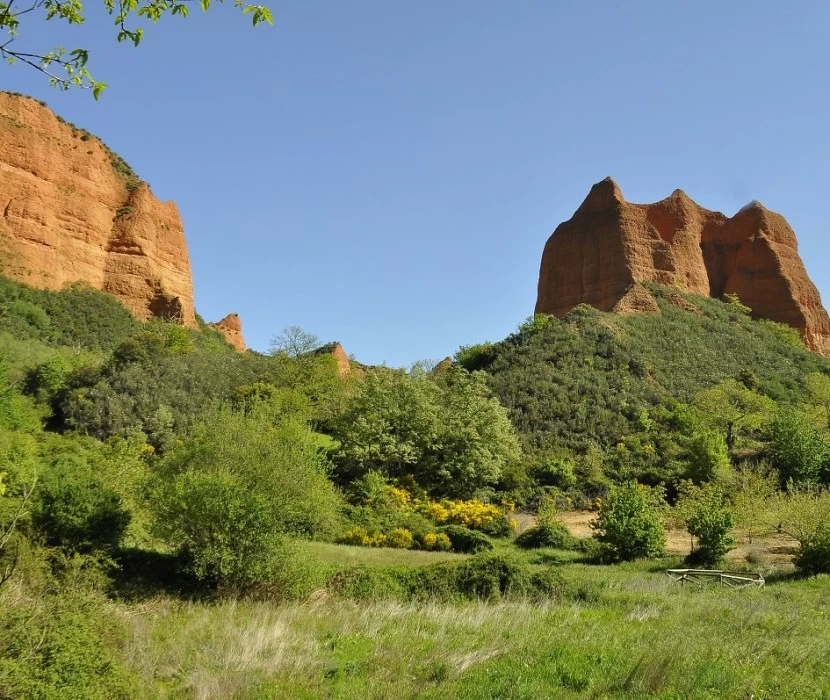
x,y
752,491
294,342
818,388
798,449
708,456
708,518
732,408
802,514
813,557
630,521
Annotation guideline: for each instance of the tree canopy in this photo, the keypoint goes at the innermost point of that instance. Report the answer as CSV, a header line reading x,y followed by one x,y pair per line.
x,y
68,68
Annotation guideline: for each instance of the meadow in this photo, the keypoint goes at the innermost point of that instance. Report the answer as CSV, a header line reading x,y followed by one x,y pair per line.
x,y
621,631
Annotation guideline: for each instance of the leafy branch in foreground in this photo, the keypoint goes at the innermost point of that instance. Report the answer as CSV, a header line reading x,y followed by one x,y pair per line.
x,y
67,69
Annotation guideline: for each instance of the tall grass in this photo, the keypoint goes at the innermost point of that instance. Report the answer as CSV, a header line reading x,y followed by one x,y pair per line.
x,y
623,631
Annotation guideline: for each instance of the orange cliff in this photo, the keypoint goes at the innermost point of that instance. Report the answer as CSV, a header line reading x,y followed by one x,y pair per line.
x,y
73,211
609,244
231,328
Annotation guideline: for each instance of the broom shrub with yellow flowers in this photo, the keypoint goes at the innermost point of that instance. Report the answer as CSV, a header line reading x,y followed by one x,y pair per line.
x,y
380,508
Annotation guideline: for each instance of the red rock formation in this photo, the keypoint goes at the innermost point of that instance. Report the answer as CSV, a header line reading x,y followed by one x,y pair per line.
x,y
73,211
231,328
609,244
344,367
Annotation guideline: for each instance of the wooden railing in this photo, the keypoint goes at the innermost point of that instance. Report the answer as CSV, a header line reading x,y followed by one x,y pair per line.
x,y
702,577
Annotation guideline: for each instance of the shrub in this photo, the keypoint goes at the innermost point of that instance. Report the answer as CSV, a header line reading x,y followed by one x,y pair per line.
x,y
550,535
802,514
813,556
436,542
557,472
471,514
630,522
240,482
63,646
709,519
77,511
400,538
492,576
355,536
467,541
499,526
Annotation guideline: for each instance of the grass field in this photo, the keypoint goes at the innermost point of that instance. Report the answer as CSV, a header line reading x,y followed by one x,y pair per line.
x,y
623,631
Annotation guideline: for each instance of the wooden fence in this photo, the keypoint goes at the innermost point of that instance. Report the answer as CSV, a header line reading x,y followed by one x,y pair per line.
x,y
703,577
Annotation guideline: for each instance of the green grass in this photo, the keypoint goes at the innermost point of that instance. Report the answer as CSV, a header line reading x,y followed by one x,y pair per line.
x,y
342,555
621,632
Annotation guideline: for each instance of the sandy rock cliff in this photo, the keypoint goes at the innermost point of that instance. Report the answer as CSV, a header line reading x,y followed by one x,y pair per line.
x,y
231,328
70,210
598,255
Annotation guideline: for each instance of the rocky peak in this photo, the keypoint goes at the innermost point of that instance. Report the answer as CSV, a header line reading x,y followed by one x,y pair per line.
x,y
604,195
231,328
609,245
72,210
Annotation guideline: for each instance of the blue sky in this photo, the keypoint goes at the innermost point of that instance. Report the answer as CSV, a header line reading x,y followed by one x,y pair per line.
x,y
386,174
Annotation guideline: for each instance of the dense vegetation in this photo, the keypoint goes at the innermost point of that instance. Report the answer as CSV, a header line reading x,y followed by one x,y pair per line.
x,y
598,398
147,464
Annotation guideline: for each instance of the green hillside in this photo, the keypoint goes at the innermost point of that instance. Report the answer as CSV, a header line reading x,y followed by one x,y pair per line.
x,y
621,391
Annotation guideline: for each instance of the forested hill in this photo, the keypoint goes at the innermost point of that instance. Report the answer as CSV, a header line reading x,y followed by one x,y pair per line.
x,y
628,392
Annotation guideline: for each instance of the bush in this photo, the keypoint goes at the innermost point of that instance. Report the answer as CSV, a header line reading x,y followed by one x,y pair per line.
x,y
798,449
630,522
802,514
77,511
467,541
499,526
483,577
709,519
549,535
813,556
63,646
492,576
236,486
436,542
400,538
556,472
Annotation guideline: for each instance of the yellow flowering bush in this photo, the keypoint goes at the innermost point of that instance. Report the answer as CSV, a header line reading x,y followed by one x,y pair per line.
x,y
466,513
437,542
378,540
432,510
400,497
354,536
359,537
400,538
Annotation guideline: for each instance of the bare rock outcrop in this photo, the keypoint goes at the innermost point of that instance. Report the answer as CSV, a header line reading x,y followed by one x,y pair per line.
x,y
609,245
231,328
344,366
73,211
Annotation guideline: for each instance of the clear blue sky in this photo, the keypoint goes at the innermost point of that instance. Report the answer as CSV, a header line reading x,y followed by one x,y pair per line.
x,y
386,174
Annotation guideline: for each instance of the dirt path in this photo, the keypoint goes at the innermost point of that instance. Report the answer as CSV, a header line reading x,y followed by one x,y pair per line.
x,y
769,550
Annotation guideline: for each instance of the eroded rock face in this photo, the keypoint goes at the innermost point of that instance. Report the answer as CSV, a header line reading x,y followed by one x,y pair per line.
x,y
609,245
231,328
72,211
344,367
